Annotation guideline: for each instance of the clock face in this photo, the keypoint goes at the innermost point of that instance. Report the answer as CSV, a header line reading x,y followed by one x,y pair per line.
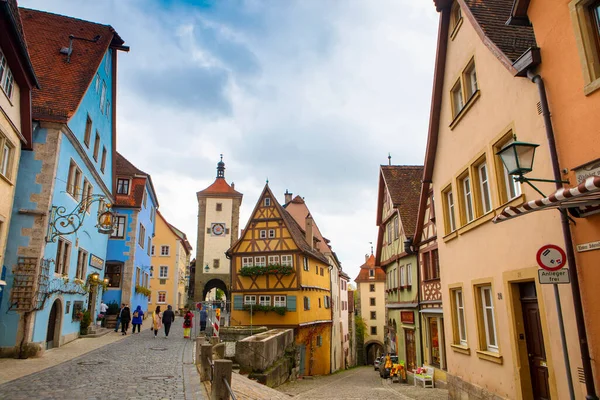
x,y
218,229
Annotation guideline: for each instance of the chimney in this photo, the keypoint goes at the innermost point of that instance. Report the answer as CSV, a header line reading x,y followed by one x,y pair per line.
x,y
308,229
288,196
232,185
366,257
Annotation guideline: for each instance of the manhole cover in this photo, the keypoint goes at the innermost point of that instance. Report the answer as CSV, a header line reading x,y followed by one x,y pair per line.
x,y
158,348
158,378
90,362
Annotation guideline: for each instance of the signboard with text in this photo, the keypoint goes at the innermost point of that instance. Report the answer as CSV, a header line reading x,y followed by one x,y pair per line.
x,y
407,317
96,262
560,276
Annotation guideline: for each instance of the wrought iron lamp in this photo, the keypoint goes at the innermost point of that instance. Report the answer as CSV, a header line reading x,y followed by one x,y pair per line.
x,y
63,223
518,158
95,276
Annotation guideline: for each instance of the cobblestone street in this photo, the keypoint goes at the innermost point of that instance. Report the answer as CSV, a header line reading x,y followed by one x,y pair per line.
x,y
358,383
138,367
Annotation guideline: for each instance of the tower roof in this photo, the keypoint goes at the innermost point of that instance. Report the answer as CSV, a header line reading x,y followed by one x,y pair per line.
x,y
220,187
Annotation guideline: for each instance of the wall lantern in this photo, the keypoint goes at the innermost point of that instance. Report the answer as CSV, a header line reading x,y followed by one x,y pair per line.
x,y
518,157
95,276
106,281
206,267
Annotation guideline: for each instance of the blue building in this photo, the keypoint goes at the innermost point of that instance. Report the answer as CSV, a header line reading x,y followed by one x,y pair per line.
x,y
130,246
56,251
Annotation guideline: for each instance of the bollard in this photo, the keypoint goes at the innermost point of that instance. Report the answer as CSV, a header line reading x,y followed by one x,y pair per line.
x,y
199,342
219,390
205,358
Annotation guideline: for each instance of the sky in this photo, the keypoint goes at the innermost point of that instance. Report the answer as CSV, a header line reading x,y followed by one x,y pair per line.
x,y
311,95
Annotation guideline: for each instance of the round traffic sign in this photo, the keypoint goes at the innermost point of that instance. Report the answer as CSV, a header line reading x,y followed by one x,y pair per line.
x,y
551,257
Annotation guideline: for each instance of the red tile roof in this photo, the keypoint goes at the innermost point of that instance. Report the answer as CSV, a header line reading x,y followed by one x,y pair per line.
x,y
363,275
220,187
124,168
12,10
404,185
63,84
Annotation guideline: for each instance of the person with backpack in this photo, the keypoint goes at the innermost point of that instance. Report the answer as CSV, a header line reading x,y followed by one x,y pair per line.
x,y
138,318
187,323
125,318
167,319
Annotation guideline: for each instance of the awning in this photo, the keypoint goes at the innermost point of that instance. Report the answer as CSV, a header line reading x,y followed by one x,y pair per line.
x,y
581,201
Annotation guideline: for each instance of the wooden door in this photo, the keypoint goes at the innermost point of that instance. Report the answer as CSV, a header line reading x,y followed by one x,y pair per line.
x,y
409,345
51,326
535,342
302,351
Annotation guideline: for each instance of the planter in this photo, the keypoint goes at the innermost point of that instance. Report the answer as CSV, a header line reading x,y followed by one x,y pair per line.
x,y
110,321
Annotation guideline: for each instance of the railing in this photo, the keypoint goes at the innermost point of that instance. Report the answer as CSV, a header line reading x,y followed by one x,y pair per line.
x,y
229,389
218,372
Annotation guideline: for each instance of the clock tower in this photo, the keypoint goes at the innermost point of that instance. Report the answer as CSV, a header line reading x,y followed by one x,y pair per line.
x,y
218,228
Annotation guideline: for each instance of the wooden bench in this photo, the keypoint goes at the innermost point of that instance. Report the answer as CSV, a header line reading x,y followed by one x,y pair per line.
x,y
425,377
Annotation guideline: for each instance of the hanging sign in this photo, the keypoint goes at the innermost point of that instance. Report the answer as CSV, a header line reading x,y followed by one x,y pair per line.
x,y
407,317
551,257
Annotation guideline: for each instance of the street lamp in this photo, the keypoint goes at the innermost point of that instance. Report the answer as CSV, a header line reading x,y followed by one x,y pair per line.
x,y
95,277
106,281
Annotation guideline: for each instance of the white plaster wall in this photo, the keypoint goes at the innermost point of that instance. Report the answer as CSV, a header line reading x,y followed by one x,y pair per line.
x,y
215,246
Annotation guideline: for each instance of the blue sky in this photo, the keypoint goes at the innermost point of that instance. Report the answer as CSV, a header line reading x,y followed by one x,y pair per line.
x,y
310,94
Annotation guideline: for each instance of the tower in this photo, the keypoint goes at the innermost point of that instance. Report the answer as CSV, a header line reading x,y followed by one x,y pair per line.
x,y
218,228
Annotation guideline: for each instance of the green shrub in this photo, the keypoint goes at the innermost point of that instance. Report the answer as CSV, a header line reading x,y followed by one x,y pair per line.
x,y
85,322
276,269
113,308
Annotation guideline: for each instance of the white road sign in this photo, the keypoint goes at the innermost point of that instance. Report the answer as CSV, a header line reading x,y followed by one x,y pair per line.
x,y
560,276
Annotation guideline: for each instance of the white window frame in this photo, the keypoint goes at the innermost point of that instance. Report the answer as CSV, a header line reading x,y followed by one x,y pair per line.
x,y
486,321
267,202
121,185
82,257
142,236
250,299
306,266
273,260
461,322
280,301
271,233
260,261
468,193
471,80
457,98
287,260
164,295
5,157
450,205
115,233
263,234
102,97
164,253
264,300
403,276
409,274
484,187
247,261
163,272
74,180
371,273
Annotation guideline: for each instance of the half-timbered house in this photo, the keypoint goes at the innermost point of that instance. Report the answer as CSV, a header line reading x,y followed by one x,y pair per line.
x,y
279,279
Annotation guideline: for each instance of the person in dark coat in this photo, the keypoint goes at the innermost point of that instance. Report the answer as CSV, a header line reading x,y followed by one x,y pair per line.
x,y
138,318
125,318
167,319
203,318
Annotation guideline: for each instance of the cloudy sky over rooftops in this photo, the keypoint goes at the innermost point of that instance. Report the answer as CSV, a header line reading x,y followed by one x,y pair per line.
x,y
309,94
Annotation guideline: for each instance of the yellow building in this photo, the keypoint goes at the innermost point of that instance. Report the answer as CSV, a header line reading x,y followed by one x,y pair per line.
x,y
170,258
279,279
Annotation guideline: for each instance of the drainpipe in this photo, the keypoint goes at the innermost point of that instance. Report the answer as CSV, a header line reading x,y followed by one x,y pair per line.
x,y
579,317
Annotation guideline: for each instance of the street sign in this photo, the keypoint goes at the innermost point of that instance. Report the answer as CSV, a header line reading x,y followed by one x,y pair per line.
x,y
551,257
561,276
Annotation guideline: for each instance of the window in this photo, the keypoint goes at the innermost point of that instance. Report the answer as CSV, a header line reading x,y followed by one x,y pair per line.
x,y
152,271
319,302
107,108
435,263
102,97
165,250
162,297
319,340
6,77
88,132
5,157
248,299
163,272
373,330
63,255
152,251
219,206
317,269
306,303
287,260
263,234
509,188
457,99
327,301
142,236
388,228
460,326
271,233
279,301
402,276
97,82
267,202
470,77
456,18
103,162
88,191
149,247
145,198
113,273
306,263
119,231
216,263
96,146
450,220
371,273
74,180
372,301
409,274
247,262
373,314
122,186
264,300
586,20
82,257
107,63
489,323
484,188
371,287
273,260
138,276
260,261
151,214
468,198
396,228
321,271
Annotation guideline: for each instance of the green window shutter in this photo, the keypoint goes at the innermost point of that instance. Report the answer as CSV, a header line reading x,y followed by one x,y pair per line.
x,y
291,303
238,302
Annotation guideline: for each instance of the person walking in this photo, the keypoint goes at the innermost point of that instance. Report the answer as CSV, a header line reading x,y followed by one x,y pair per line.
x,y
187,323
103,308
119,317
203,318
156,320
125,318
138,318
167,319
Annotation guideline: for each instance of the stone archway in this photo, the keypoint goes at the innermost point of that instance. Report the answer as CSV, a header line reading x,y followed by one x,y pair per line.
x,y
373,350
54,325
212,284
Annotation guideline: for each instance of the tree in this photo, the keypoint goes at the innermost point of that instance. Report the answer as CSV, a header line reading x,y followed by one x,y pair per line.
x,y
220,294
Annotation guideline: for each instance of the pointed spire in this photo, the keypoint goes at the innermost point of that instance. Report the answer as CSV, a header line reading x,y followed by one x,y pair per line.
x,y
389,158
221,168
371,243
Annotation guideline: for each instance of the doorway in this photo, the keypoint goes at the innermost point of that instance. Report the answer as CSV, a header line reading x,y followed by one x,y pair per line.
x,y
411,353
53,331
434,342
534,339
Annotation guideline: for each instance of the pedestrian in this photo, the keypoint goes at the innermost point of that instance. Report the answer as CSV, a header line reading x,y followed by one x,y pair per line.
x,y
167,319
103,308
156,320
203,318
125,318
119,317
187,323
138,318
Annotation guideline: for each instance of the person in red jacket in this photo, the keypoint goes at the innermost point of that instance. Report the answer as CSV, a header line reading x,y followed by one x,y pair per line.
x,y
187,324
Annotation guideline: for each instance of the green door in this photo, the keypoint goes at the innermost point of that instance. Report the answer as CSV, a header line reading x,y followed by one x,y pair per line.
x,y
302,350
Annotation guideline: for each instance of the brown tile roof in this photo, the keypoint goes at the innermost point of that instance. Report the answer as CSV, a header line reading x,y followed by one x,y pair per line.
x,y
12,12
298,209
124,167
180,235
491,15
404,184
363,275
63,84
220,187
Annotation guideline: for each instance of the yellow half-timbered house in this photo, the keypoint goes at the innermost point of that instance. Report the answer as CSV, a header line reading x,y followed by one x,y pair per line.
x,y
279,279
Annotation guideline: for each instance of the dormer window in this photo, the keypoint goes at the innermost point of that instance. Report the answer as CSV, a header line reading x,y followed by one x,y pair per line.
x,y
455,19
267,202
371,273
122,186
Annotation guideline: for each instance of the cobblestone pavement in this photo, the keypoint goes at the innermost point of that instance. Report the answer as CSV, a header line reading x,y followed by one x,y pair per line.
x,y
138,367
358,383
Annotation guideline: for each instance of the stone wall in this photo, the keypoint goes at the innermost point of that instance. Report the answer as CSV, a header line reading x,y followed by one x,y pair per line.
x,y
459,389
259,352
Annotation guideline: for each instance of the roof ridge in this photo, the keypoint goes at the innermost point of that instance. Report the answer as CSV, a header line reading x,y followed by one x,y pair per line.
x,y
66,16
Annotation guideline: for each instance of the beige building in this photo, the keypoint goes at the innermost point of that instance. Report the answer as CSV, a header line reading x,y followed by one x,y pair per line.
x,y
170,260
16,81
501,323
370,284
